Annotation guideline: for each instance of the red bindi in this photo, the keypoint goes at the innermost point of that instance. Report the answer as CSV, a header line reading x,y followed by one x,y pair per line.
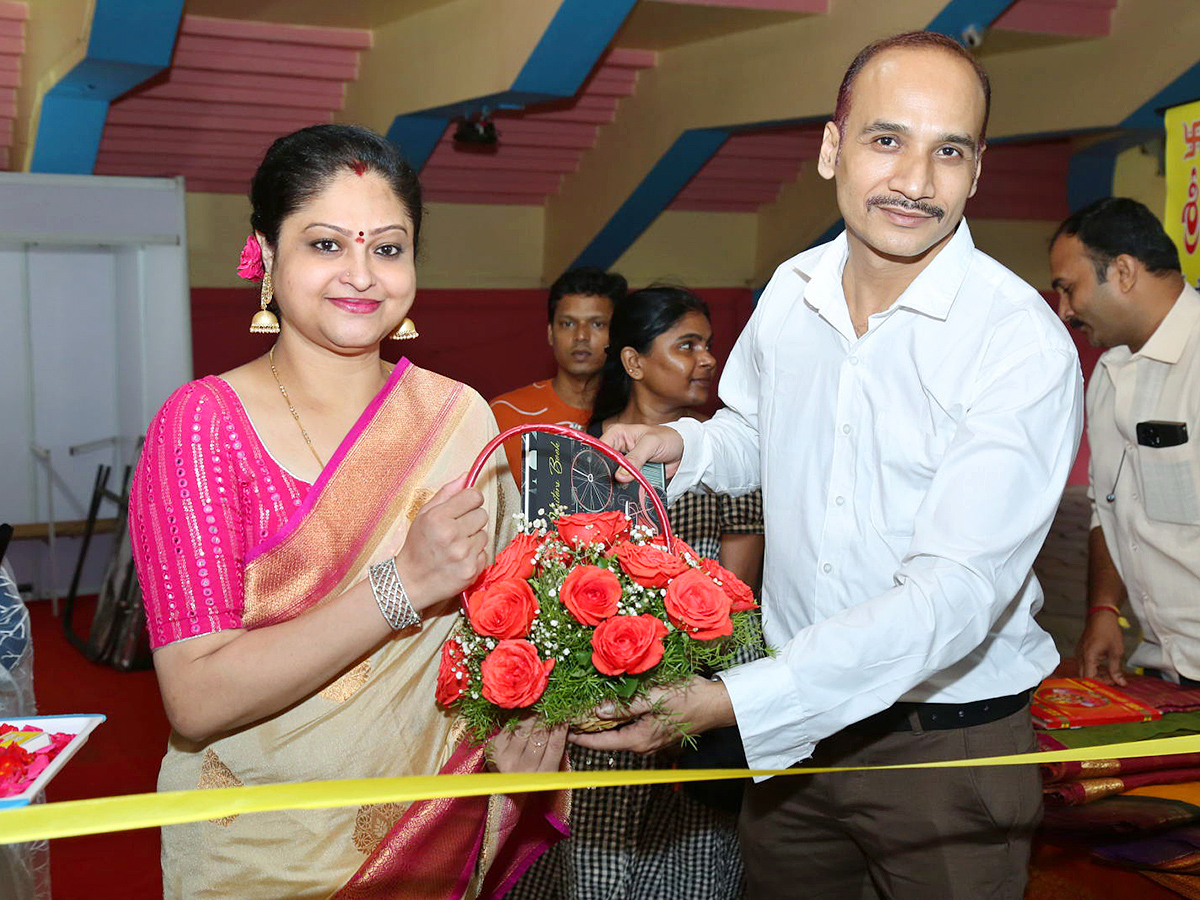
x,y
360,239
359,167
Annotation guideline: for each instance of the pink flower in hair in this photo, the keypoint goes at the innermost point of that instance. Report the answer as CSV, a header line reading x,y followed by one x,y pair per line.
x,y
250,266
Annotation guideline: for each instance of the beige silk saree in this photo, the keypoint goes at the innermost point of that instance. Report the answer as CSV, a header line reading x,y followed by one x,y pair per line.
x,y
378,718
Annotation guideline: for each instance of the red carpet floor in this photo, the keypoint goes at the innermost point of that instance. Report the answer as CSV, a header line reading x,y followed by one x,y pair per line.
x,y
121,757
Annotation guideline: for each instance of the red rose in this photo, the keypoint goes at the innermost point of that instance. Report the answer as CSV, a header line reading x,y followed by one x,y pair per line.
x,y
506,609
554,551
628,644
449,685
590,593
604,528
514,561
697,607
648,565
735,589
513,674
682,550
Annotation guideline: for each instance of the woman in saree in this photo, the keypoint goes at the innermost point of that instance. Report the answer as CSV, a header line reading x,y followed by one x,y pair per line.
x,y
300,526
643,842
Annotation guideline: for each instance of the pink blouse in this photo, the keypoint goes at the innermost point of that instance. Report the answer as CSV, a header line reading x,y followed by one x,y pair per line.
x,y
205,493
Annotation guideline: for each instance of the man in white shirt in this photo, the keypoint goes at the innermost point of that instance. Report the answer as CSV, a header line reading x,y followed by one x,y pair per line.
x,y
911,410
1118,279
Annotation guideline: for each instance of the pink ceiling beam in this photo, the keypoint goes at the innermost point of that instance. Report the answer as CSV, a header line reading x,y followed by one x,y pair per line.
x,y
538,144
232,87
349,38
12,46
532,199
1069,18
750,168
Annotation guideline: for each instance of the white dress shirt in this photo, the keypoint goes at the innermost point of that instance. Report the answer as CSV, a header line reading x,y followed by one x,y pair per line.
x,y
909,478
1152,527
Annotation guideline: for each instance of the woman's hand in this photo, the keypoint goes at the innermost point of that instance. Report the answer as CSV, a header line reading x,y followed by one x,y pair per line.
x,y
527,748
446,547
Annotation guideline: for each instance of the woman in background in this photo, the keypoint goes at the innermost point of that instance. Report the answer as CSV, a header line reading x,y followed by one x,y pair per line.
x,y
299,524
646,842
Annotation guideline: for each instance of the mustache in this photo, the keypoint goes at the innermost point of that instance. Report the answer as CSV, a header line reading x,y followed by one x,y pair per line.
x,y
904,203
1075,323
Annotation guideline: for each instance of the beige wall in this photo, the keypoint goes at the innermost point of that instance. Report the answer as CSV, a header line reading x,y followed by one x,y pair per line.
x,y
1021,245
461,245
1137,176
695,249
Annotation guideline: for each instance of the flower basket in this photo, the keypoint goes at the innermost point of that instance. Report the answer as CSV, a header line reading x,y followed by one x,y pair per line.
x,y
585,609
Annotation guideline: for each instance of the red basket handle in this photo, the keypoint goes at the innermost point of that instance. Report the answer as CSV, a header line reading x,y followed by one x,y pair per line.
x,y
599,446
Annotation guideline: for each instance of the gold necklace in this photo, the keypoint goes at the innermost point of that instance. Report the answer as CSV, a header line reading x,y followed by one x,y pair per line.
x,y
292,409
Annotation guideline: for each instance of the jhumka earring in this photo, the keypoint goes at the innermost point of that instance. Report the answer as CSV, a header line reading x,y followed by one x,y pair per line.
x,y
406,331
264,321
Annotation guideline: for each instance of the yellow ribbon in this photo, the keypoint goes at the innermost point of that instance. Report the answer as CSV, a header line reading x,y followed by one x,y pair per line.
x,y
124,813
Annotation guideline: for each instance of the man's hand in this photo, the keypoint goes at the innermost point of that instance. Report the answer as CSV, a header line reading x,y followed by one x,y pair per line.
x,y
1101,648
663,717
645,443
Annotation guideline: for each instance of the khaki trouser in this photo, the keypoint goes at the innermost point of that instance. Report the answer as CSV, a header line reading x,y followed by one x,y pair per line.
x,y
908,835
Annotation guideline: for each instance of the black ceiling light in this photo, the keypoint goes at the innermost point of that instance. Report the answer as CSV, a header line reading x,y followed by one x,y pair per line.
x,y
477,135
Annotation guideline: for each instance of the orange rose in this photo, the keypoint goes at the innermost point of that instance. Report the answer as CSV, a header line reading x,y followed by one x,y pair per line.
x,y
590,593
735,589
514,561
648,565
506,609
450,686
604,528
514,675
697,607
628,644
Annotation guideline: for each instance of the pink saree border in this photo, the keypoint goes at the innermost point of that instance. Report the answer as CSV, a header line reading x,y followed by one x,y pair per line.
x,y
330,469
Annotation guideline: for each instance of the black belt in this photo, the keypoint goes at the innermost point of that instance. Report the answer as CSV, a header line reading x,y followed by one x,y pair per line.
x,y
940,716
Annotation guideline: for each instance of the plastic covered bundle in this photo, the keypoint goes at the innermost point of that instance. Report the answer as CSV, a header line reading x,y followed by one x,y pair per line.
x,y
24,868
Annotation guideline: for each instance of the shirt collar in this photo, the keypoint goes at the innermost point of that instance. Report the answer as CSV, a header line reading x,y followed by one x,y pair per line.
x,y
931,293
1171,336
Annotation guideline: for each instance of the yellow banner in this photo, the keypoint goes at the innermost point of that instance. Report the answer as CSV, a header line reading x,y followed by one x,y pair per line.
x,y
1182,214
76,817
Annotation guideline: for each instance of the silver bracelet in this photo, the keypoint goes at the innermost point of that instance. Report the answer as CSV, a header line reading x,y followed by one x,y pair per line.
x,y
389,593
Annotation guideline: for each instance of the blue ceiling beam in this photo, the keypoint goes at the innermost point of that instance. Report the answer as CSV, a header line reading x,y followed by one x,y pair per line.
x,y
1090,176
960,17
577,36
687,156
129,42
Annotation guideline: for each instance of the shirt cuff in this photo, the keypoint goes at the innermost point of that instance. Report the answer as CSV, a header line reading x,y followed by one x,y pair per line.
x,y
695,458
770,714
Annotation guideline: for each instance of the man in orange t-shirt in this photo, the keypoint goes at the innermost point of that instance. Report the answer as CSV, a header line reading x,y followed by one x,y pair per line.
x,y
580,306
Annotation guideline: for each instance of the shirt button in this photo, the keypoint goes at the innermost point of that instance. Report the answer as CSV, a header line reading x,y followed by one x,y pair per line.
x,y
839,500
845,429
854,360
827,568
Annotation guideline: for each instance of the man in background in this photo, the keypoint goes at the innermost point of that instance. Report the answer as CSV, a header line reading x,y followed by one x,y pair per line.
x,y
1118,280
579,309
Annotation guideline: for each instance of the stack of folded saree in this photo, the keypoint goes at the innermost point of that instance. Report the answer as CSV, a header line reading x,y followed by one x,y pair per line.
x,y
1141,813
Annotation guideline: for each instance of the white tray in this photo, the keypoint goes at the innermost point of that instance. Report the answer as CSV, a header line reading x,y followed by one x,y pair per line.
x,y
79,726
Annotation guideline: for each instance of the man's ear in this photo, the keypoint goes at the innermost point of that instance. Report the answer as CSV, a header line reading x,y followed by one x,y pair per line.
x,y
631,360
1124,270
978,168
831,143
550,334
